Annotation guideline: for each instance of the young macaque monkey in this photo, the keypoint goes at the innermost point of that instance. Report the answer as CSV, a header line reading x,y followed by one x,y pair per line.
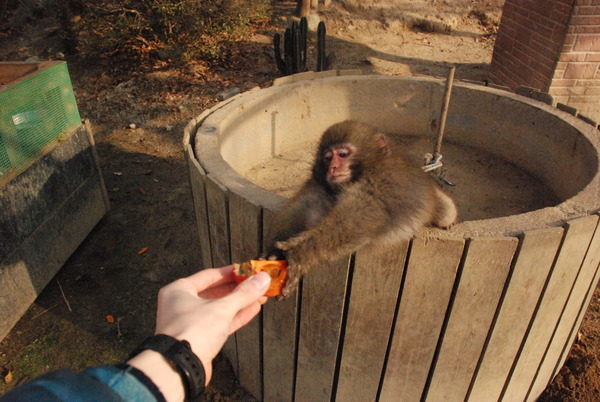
x,y
361,190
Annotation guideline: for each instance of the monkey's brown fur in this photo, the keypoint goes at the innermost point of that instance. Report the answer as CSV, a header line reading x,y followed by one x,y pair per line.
x,y
387,199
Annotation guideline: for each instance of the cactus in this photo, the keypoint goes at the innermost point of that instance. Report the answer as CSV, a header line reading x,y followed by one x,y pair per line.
x,y
321,58
295,52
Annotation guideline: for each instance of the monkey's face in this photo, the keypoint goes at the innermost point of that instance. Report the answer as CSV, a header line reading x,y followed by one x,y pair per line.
x,y
338,160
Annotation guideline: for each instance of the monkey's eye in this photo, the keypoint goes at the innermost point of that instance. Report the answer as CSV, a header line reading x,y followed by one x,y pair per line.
x,y
344,152
328,156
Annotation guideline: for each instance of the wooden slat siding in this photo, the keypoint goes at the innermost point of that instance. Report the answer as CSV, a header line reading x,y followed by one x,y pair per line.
x,y
575,305
197,176
531,268
218,223
375,285
280,325
428,284
579,233
218,220
245,238
485,269
566,350
323,294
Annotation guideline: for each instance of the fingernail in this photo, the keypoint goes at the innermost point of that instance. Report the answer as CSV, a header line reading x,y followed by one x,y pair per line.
x,y
261,280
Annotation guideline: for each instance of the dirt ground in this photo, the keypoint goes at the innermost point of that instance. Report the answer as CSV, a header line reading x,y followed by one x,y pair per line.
x,y
138,120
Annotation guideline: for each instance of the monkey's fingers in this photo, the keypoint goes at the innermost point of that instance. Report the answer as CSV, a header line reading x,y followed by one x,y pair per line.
x,y
291,242
291,285
284,245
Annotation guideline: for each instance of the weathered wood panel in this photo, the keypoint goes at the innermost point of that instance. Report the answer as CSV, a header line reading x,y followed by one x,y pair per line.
x,y
482,279
574,332
218,223
575,305
374,294
197,177
579,233
46,211
426,291
323,294
531,268
280,333
245,237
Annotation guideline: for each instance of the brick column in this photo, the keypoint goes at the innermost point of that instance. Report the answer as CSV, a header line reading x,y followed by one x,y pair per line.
x,y
553,46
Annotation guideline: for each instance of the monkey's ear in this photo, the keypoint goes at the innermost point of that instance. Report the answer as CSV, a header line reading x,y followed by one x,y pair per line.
x,y
382,142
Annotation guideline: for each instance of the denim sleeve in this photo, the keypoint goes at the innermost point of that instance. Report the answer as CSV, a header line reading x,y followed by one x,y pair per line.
x,y
104,383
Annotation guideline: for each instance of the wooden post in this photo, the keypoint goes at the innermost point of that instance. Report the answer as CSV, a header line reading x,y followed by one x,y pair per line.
x,y
303,8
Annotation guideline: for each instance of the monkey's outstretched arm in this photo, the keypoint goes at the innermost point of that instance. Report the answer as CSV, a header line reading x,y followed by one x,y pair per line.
x,y
302,212
355,219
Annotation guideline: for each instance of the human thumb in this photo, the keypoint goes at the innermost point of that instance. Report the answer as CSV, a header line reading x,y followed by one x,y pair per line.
x,y
250,290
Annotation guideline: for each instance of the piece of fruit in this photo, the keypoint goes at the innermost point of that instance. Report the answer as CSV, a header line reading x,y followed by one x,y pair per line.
x,y
276,269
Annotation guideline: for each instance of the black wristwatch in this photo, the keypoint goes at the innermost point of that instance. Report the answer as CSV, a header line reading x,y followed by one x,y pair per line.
x,y
181,357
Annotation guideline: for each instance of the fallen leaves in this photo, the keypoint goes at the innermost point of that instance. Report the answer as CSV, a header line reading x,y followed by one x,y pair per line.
x,y
110,319
6,374
143,250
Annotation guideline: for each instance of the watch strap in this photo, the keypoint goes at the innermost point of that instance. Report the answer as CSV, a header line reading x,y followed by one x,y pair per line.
x,y
182,358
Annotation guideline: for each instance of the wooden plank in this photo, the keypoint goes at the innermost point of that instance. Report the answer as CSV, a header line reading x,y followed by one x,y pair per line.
x,y
245,231
575,331
483,277
426,291
280,327
33,264
323,294
197,177
576,305
375,284
579,233
531,268
12,71
218,224
218,221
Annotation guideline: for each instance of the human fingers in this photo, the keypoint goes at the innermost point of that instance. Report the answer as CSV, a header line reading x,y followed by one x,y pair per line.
x,y
217,291
244,316
249,291
211,277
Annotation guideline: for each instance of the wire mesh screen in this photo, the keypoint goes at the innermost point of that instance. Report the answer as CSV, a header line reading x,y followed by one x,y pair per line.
x,y
33,113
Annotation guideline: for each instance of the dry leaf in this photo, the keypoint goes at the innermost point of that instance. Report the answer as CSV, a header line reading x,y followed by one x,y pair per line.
x,y
8,377
110,318
142,191
118,173
6,374
142,251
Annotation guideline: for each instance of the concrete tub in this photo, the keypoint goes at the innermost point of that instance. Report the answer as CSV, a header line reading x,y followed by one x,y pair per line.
x,y
485,311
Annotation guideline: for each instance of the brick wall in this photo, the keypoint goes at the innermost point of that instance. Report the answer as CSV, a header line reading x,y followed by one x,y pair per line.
x,y
576,80
529,42
553,46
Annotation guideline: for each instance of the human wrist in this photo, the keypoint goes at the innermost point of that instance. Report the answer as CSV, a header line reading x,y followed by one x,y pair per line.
x,y
180,359
161,372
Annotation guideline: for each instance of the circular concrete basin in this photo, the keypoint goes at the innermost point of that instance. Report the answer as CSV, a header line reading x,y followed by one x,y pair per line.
x,y
485,311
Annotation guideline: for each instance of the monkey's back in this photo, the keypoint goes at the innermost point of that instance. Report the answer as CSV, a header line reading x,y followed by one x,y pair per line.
x,y
409,194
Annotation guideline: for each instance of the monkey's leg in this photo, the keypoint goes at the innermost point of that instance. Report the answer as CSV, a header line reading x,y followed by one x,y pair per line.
x,y
446,213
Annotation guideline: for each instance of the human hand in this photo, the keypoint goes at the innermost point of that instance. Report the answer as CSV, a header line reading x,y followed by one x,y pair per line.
x,y
207,307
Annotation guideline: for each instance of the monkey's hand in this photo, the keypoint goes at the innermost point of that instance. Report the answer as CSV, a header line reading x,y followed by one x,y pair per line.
x,y
299,251
294,269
